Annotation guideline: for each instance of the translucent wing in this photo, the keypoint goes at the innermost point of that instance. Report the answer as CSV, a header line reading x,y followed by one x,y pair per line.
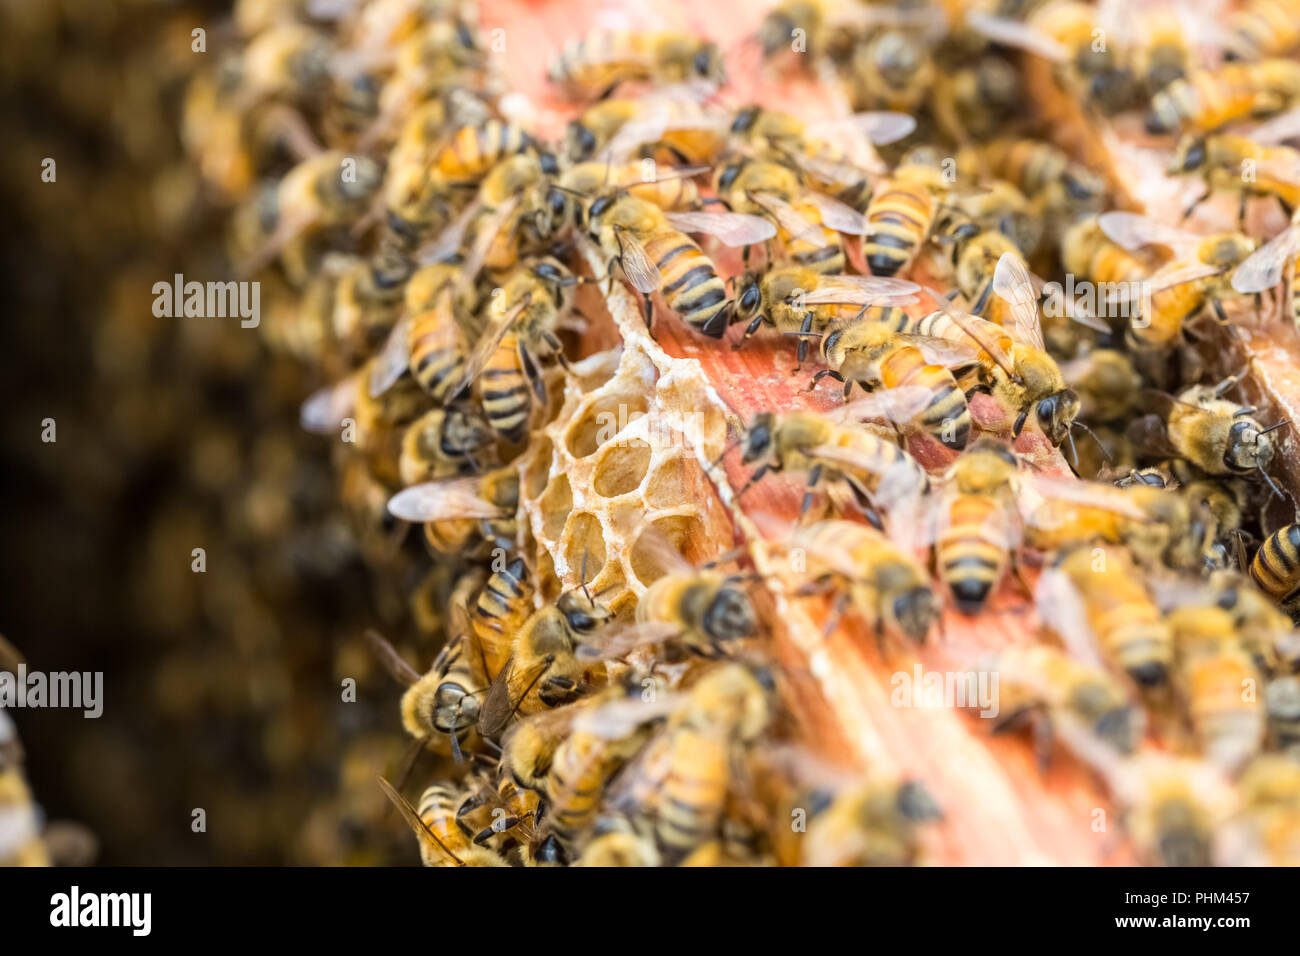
x,y
1070,308
619,640
502,699
442,501
393,662
897,479
654,549
324,411
789,218
896,405
1016,34
664,174
649,127
491,337
862,290
1132,231
980,331
422,832
1164,279
487,233
638,267
836,171
1283,127
880,128
732,228
837,215
449,240
1093,494
937,351
1262,269
1011,281
1062,609
617,719
393,359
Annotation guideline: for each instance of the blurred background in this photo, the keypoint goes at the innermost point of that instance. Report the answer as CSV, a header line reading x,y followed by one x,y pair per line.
x,y
222,689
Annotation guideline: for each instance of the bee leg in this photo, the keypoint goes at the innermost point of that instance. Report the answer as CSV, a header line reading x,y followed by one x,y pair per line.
x,y
749,331
528,364
803,340
649,311
837,614
1197,202
497,826
814,476
825,373
982,302
468,806
755,477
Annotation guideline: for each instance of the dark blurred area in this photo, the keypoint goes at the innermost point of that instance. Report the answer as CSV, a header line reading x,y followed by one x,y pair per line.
x,y
222,688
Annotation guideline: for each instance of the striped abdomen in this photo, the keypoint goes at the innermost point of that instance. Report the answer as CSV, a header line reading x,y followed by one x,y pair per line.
x,y
690,802
1205,100
971,553
503,387
1276,565
1265,28
437,352
476,149
581,767
691,285
826,258
1129,628
898,220
946,418
437,810
501,609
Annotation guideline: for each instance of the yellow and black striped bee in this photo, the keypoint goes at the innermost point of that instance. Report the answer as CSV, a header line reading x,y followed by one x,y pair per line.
x,y
655,253
589,67
442,841
444,443
1259,29
456,510
1207,99
900,217
1276,566
499,611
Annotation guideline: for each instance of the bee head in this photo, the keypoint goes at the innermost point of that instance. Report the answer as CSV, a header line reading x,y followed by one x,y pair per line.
x,y
707,63
1248,446
1189,157
759,438
456,708
729,174
581,140
916,611
745,119
729,615
750,300
1056,414
581,613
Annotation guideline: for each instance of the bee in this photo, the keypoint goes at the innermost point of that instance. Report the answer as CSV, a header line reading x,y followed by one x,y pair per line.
x,y
668,121
654,252
976,100
1167,51
442,841
999,210
875,468
325,192
618,844
498,814
902,213
1172,808
589,67
1265,832
1260,29
672,190
432,342
543,670
1044,173
369,295
808,223
441,706
1108,385
1265,632
1096,600
803,302
1215,434
1222,159
1263,269
444,443
892,70
290,62
500,611
871,354
1087,251
453,510
1214,675
1276,566
1047,687
881,582
1206,99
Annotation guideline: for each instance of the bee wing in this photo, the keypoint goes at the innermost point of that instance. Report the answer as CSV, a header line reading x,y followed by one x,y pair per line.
x,y
500,702
1262,269
619,640
1132,231
1164,279
618,719
393,662
1011,281
441,501
983,333
1070,307
1150,435
325,410
489,340
1061,608
866,290
1094,494
655,548
640,270
393,359
898,478
422,832
896,405
649,127
837,215
937,351
879,128
732,228
789,218
449,240
1283,127
663,174
488,230
1013,33
834,170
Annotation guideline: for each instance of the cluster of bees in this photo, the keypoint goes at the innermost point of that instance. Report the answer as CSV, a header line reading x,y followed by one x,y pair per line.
x,y
425,248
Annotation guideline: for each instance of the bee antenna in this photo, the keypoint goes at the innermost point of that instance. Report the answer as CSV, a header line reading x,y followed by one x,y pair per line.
x,y
585,552
1105,452
1273,427
1074,452
735,442
1269,481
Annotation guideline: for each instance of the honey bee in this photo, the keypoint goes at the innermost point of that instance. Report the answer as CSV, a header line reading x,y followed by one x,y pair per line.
x,y
288,61
1087,251
808,223
902,213
589,67
1172,808
976,100
892,70
1222,159
618,844
875,468
499,612
543,670
1263,269
454,509
444,443
429,339
654,251
1206,99
1095,599
1107,384
871,354
667,122
1265,632
1214,678
1265,832
1260,29
1044,173
442,841
1274,566
803,302
321,193
1047,687
672,190
882,583
369,295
